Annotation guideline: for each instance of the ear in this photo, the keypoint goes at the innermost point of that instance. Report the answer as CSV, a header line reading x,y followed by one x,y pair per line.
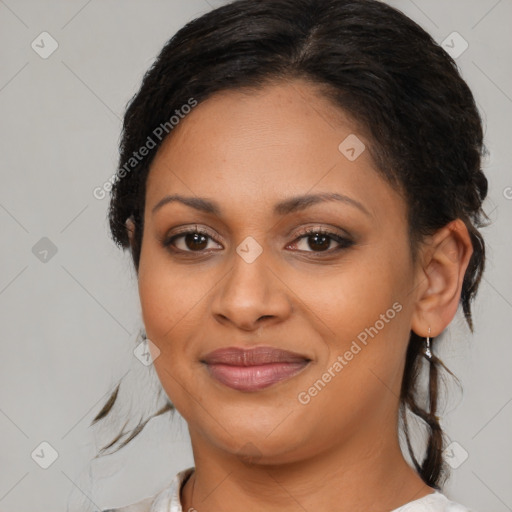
x,y
130,228
439,278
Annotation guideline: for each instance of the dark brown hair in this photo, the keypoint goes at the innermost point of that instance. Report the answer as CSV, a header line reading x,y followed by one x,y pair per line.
x,y
374,64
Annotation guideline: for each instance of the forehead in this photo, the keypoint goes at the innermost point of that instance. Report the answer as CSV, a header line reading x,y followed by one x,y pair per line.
x,y
260,146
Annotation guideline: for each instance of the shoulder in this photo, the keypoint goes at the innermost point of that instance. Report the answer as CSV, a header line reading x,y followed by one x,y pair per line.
x,y
141,506
168,499
435,502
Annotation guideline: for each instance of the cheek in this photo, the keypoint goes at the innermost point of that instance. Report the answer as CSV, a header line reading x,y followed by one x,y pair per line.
x,y
163,302
167,311
366,287
172,304
168,295
370,316
160,307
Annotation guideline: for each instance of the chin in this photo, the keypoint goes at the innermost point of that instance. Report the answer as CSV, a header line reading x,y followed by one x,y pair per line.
x,y
260,442
265,453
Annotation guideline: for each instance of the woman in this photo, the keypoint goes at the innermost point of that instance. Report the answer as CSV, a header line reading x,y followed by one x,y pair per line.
x,y
300,189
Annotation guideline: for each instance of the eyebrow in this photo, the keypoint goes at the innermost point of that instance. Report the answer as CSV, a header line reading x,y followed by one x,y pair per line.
x,y
290,205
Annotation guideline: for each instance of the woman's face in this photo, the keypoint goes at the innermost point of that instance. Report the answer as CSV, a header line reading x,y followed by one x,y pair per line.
x,y
252,277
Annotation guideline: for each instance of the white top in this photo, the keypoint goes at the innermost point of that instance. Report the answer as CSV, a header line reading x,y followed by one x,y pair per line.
x,y
168,500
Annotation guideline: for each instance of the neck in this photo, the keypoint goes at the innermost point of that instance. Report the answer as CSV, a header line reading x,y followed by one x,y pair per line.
x,y
365,472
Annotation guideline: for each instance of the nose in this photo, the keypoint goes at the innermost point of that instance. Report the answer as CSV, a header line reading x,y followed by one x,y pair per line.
x,y
251,295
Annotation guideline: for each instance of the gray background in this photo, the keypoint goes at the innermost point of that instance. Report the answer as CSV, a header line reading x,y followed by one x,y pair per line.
x,y
70,320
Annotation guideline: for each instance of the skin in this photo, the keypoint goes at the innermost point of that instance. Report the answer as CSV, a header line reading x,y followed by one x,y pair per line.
x,y
265,450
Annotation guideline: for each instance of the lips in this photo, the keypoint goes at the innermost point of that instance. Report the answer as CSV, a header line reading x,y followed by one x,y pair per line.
x,y
253,369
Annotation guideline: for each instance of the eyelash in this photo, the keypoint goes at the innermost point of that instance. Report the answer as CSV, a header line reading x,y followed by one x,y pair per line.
x,y
344,243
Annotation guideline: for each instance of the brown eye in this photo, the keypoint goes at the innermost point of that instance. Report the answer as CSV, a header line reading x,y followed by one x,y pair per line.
x,y
196,241
189,241
319,241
